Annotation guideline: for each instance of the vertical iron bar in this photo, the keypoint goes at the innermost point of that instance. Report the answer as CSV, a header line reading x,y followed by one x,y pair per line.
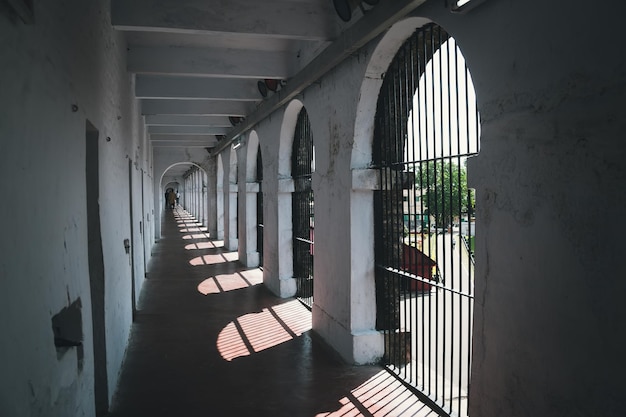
x,y
428,339
437,210
470,289
451,234
443,210
412,204
405,171
419,296
398,247
460,244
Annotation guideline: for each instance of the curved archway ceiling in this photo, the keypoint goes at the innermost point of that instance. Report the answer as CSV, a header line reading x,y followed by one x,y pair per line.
x,y
198,63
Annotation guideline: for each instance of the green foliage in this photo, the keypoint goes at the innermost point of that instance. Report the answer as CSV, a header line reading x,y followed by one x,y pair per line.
x,y
444,190
471,243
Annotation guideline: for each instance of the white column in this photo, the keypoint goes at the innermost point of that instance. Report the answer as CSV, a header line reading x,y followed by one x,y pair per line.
x,y
232,242
286,284
251,252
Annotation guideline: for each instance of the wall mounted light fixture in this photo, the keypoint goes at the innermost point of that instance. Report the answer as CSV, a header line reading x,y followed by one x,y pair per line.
x,y
267,85
234,120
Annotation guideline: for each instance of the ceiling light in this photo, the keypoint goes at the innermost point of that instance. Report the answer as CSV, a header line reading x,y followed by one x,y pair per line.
x,y
464,6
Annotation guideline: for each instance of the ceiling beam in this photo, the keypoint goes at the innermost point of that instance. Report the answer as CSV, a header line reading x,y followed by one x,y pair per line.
x,y
372,24
204,141
195,107
169,120
153,86
187,130
307,20
211,62
182,138
182,144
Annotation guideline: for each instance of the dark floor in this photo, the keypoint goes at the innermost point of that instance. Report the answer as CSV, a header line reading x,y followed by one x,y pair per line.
x,y
210,340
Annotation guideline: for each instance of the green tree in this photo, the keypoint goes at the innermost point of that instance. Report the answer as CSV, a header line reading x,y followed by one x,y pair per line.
x,y
444,190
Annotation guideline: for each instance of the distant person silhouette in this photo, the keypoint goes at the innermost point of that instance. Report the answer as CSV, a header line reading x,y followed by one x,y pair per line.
x,y
171,199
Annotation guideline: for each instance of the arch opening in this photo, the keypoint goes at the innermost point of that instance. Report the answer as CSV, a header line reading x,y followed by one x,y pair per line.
x,y
302,167
425,128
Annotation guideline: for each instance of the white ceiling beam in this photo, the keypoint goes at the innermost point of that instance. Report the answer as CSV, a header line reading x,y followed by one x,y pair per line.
x,y
182,144
188,130
169,120
152,86
182,138
204,141
196,107
314,20
211,62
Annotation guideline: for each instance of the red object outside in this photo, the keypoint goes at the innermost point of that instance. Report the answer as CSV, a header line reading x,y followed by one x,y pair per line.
x,y
417,263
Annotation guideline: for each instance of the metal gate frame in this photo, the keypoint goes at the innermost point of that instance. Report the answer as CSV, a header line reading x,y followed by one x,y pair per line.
x,y
259,206
424,279
302,209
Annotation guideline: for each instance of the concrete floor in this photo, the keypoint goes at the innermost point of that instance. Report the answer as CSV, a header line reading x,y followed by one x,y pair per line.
x,y
210,340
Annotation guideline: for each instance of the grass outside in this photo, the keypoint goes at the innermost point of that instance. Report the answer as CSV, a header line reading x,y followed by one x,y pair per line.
x,y
471,243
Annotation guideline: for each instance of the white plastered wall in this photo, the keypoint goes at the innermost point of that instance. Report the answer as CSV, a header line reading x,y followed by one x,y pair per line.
x,y
56,76
548,323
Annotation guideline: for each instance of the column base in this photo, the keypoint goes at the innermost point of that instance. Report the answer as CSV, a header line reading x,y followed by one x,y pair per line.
x,y
355,347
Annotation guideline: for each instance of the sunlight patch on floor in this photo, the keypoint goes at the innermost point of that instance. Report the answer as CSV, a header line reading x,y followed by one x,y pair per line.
x,y
217,258
256,332
381,395
230,282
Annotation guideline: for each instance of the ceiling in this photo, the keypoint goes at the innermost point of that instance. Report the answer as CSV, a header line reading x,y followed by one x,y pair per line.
x,y
199,63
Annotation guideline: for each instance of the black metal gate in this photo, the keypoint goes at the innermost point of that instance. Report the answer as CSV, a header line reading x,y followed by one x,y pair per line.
x,y
302,209
426,127
259,206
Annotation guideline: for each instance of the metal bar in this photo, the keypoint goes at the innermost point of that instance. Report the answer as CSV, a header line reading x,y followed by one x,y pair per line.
x,y
420,70
299,239
433,159
413,193
444,217
460,257
437,208
405,274
469,229
397,196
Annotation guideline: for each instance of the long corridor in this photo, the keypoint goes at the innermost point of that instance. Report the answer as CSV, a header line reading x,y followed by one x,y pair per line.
x,y
210,340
